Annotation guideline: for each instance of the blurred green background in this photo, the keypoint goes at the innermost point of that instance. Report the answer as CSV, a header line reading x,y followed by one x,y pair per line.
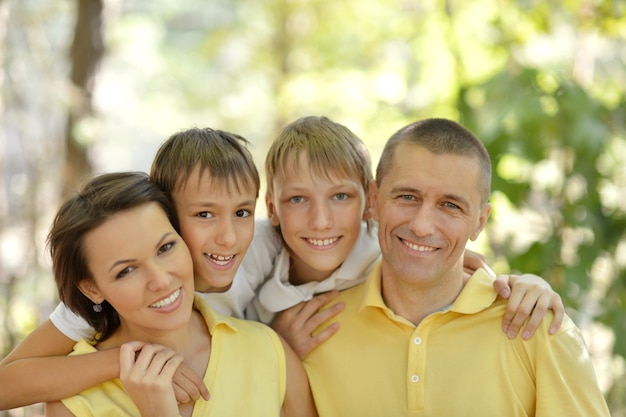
x,y
89,86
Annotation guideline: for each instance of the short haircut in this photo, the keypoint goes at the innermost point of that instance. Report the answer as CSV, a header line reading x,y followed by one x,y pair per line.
x,y
331,149
224,155
439,136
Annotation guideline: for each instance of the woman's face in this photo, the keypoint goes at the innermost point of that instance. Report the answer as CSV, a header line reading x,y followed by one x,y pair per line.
x,y
142,267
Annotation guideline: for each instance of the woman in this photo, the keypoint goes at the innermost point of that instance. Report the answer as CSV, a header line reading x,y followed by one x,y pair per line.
x,y
120,264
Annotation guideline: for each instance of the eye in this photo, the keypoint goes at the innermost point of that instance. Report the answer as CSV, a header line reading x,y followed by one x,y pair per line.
x,y
450,205
406,197
124,272
165,248
341,196
204,214
243,213
296,199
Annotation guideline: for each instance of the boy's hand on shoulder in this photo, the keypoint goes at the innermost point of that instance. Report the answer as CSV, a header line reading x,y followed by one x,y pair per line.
x,y
530,297
297,324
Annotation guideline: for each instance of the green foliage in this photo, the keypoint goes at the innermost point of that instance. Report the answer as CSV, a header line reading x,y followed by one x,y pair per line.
x,y
546,121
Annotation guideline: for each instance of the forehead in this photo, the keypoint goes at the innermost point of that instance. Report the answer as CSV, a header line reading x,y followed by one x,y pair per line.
x,y
126,232
302,168
415,166
201,181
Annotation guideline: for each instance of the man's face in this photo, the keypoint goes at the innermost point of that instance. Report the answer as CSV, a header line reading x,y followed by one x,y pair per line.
x,y
427,207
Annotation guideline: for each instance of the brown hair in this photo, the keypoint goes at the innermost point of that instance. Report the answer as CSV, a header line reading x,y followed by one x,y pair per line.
x,y
100,198
439,136
224,155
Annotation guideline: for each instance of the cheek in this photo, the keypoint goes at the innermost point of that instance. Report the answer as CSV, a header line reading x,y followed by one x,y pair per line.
x,y
245,234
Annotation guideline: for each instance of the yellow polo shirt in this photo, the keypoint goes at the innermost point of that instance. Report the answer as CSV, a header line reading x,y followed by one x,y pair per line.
x,y
246,374
456,363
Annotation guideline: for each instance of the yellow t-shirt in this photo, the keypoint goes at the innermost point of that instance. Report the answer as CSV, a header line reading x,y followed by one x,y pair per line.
x,y
457,362
246,374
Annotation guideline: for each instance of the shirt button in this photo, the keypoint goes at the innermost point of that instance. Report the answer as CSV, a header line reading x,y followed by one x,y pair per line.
x,y
417,340
415,378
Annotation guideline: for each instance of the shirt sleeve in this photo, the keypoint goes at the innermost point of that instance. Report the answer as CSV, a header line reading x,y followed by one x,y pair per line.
x,y
71,324
566,380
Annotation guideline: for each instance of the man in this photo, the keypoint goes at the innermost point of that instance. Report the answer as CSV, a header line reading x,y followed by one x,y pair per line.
x,y
419,338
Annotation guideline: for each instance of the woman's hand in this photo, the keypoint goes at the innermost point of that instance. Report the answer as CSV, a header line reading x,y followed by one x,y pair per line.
x,y
147,372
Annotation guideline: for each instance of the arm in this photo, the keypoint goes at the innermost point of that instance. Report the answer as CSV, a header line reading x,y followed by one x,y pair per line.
x,y
296,324
298,398
38,370
529,296
57,409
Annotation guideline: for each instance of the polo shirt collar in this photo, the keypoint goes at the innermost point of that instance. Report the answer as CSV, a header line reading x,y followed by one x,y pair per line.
x,y
477,294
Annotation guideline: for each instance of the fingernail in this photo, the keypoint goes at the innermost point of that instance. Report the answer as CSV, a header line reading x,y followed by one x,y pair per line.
x,y
511,334
526,335
505,328
553,330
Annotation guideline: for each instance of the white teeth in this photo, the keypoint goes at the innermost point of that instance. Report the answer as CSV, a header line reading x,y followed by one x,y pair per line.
x,y
419,248
322,242
220,260
167,301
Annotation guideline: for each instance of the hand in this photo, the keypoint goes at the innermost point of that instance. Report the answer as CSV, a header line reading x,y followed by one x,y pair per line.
x,y
147,377
296,324
472,261
529,295
188,386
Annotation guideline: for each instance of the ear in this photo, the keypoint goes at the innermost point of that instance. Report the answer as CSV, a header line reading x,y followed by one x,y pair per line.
x,y
271,210
482,221
90,290
370,208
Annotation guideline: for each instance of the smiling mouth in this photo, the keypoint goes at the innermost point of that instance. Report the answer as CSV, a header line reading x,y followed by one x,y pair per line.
x,y
167,301
322,242
220,260
418,248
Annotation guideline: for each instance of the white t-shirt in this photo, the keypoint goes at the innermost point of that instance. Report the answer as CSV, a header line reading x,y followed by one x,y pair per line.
x,y
278,293
257,264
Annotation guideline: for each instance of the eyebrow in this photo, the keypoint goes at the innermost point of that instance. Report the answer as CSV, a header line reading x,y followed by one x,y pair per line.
x,y
125,261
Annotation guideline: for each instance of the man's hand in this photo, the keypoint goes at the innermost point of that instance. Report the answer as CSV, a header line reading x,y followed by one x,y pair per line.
x,y
528,295
296,324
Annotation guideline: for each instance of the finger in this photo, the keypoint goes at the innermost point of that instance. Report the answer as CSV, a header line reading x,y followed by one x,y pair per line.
x,y
320,338
523,311
171,365
127,358
158,363
186,379
511,307
501,286
538,313
559,313
322,316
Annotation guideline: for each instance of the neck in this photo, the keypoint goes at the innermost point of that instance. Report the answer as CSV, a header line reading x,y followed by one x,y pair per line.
x,y
300,273
415,300
181,340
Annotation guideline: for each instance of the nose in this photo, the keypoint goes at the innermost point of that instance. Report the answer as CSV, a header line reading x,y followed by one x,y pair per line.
x,y
158,277
226,234
321,216
423,221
